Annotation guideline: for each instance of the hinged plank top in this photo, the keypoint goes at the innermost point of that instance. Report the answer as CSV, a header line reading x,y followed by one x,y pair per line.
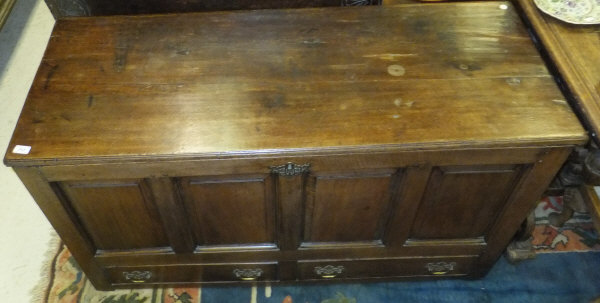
x,y
407,76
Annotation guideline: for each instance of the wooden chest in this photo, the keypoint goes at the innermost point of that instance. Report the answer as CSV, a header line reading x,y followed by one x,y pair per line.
x,y
404,141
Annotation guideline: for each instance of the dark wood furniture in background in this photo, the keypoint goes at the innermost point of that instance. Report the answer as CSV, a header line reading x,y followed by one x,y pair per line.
x,y
70,8
573,51
279,145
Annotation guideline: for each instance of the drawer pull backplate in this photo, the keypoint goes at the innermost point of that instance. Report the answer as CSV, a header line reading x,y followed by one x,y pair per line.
x,y
248,274
329,271
137,276
440,268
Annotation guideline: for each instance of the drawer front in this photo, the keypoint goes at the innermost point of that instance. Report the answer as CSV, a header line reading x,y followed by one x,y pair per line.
x,y
194,273
375,268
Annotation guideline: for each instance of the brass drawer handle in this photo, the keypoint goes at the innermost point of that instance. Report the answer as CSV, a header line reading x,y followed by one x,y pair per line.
x,y
137,276
248,274
329,271
440,268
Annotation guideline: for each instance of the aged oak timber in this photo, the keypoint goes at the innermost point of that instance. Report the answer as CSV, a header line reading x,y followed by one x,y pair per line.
x,y
407,141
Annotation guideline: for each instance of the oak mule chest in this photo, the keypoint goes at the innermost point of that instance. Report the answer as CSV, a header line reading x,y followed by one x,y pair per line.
x,y
406,141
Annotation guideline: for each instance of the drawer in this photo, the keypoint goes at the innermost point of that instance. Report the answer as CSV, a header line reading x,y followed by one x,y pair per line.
x,y
193,273
376,268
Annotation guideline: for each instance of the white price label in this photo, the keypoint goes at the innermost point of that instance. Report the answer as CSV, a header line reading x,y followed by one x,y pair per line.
x,y
21,149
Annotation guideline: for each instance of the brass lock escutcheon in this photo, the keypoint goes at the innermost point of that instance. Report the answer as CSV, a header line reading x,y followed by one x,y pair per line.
x,y
290,169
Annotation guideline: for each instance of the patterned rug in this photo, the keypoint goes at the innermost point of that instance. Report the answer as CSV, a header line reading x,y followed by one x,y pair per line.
x,y
577,234
566,277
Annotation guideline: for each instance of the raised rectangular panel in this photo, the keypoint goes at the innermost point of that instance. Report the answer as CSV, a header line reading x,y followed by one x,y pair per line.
x,y
462,201
347,207
117,215
231,210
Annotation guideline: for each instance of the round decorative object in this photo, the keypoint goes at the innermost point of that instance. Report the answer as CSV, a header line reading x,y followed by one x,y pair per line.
x,y
572,11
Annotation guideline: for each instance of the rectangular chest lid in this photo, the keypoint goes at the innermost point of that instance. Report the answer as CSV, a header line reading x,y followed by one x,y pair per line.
x,y
405,76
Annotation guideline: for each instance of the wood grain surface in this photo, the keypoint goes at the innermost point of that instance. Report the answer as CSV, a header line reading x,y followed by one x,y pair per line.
x,y
279,81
